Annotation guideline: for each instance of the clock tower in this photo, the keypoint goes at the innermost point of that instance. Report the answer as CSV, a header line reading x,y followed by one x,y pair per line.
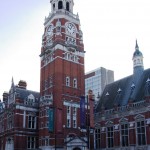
x,y
62,79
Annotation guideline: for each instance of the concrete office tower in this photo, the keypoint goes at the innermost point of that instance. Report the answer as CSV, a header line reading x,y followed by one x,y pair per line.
x,y
97,79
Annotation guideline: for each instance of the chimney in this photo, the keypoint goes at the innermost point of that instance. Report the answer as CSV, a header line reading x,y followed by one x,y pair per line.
x,y
22,84
5,96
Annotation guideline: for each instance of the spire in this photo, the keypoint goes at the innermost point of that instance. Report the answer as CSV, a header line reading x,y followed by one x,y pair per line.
x,y
136,46
12,82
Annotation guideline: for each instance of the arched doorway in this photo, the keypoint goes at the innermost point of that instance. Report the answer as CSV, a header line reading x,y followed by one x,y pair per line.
x,y
77,148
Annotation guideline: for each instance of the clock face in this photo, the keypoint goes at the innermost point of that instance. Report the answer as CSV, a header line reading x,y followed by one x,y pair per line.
x,y
70,28
50,30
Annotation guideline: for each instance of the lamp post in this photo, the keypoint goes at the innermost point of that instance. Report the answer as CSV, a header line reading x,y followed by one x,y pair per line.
x,y
88,123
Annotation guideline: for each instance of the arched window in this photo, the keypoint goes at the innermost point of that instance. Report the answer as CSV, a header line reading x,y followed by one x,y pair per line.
x,y
75,83
67,81
67,6
60,5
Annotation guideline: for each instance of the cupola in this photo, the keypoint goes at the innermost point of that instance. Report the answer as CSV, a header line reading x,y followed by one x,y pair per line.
x,y
138,66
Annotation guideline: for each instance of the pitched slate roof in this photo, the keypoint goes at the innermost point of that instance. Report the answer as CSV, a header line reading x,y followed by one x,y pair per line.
x,y
24,93
121,91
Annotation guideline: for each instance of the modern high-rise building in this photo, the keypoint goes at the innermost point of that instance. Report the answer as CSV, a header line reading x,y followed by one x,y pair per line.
x,y
97,79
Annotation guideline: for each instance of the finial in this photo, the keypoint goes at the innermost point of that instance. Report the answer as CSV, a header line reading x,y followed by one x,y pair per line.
x,y
136,46
12,82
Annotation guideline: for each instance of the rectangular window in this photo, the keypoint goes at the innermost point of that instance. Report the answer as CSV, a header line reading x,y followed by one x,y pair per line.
x,y
9,123
31,142
74,111
141,133
32,122
47,124
68,109
68,123
110,136
46,141
97,136
124,135
47,112
74,123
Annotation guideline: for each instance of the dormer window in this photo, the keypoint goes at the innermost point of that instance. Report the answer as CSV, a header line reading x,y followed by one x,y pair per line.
x,y
60,5
132,86
119,91
30,100
67,6
107,94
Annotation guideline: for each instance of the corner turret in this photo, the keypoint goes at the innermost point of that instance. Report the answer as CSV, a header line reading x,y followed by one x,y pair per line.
x,y
138,66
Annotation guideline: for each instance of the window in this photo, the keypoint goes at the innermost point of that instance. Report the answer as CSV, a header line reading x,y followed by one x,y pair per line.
x,y
68,123
32,122
9,121
50,82
75,83
58,29
74,123
97,136
124,135
110,137
46,85
67,81
68,109
46,141
141,132
30,100
47,112
74,111
60,5
67,6
53,6
47,124
31,142
70,41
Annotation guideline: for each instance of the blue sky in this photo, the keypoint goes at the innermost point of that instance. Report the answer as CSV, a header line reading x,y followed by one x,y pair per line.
x,y
110,29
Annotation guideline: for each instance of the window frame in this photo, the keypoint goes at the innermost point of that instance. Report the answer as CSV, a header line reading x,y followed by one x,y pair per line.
x,y
68,81
141,135
32,122
110,139
31,142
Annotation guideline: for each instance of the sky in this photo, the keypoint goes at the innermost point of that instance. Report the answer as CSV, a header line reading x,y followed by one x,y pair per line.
x,y
110,29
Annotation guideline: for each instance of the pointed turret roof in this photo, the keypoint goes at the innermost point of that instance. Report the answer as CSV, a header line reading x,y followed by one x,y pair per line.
x,y
137,51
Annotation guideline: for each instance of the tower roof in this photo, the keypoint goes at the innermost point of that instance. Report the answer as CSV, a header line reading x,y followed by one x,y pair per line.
x,y
137,51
